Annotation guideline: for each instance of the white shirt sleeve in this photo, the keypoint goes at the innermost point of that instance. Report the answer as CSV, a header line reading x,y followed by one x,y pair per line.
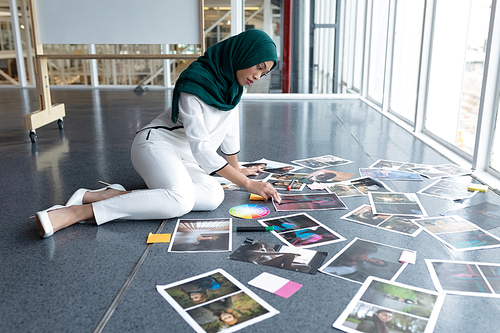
x,y
198,135
231,143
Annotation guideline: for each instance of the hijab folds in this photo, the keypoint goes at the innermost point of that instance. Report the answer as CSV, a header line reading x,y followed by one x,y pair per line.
x,y
212,77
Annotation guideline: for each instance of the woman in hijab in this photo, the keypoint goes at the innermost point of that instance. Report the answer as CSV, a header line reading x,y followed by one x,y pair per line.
x,y
176,154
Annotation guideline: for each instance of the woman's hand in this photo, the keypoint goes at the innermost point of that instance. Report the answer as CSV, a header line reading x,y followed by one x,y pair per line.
x,y
251,171
265,190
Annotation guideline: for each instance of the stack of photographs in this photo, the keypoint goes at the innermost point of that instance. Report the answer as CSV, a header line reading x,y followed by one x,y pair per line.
x,y
458,233
448,189
204,235
398,224
365,185
402,204
320,162
389,174
301,230
271,166
293,202
215,302
395,165
282,181
362,258
439,171
344,190
485,215
429,171
465,277
279,256
384,306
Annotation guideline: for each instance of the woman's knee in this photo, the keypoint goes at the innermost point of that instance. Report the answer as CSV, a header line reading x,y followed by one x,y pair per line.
x,y
209,200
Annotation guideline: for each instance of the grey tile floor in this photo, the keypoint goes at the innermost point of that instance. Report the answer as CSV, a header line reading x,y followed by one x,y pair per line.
x,y
89,278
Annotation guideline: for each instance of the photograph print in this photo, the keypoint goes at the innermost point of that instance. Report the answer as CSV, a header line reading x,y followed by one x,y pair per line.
x,y
458,233
399,224
485,215
384,306
402,204
465,277
271,166
447,189
389,174
193,235
301,230
215,302
297,202
364,214
362,258
344,190
279,256
321,162
368,184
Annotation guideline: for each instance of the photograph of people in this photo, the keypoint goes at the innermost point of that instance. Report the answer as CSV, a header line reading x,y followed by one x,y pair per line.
x,y
310,236
368,184
400,224
227,312
377,323
309,202
202,290
344,190
177,152
364,214
285,257
192,235
361,259
291,222
329,176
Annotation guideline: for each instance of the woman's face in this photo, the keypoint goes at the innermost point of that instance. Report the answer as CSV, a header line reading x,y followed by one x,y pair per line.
x,y
195,297
226,317
384,316
247,76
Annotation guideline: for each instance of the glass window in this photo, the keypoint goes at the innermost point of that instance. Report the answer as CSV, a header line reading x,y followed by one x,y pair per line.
x,y
456,73
378,43
406,58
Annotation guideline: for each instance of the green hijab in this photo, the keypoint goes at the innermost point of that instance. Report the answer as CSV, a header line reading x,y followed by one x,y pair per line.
x,y
212,77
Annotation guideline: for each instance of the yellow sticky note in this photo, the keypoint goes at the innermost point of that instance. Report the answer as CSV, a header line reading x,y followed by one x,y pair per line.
x,y
478,187
158,238
256,197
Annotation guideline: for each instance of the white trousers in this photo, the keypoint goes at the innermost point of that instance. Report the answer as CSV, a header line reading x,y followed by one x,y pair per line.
x,y
177,185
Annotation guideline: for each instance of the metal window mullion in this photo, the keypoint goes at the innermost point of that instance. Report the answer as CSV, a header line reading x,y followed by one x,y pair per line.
x,y
368,41
349,76
389,53
18,44
425,65
237,17
94,74
488,104
363,44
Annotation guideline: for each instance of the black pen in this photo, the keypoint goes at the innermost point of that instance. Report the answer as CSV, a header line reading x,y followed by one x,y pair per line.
x,y
239,229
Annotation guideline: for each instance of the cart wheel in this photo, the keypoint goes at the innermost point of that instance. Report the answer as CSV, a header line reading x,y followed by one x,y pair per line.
x,y
60,123
33,136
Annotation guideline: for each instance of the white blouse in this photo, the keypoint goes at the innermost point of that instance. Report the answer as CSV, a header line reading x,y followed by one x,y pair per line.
x,y
205,128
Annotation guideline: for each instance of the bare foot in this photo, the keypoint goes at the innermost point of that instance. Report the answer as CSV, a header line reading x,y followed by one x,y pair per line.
x,y
90,197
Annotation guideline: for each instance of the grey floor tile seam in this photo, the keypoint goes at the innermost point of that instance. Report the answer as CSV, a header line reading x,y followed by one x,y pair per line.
x,y
125,286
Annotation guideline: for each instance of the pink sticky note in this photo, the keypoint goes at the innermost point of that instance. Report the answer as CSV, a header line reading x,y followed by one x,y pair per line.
x,y
275,284
288,289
